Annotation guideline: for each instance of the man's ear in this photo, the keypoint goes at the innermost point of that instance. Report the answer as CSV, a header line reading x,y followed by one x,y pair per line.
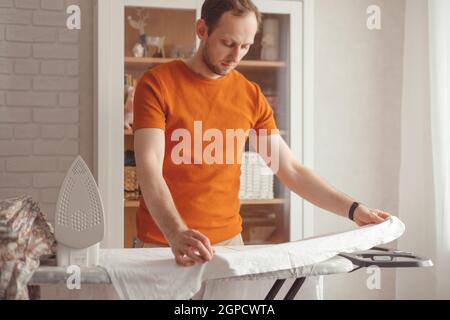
x,y
201,29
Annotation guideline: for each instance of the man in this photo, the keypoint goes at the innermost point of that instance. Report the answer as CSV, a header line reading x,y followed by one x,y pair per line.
x,y
191,204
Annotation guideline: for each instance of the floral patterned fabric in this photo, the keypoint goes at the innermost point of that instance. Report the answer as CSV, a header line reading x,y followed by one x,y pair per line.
x,y
25,236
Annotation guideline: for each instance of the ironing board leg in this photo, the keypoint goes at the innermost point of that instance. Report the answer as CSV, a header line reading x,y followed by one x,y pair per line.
x,y
294,288
275,288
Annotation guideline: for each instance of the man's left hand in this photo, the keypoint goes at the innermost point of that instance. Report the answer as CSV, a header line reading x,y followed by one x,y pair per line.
x,y
364,216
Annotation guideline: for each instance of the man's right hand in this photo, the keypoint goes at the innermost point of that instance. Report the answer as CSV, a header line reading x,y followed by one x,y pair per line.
x,y
190,247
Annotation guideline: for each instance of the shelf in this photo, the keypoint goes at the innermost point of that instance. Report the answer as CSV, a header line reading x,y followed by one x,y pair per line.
x,y
139,62
263,201
135,203
131,203
129,132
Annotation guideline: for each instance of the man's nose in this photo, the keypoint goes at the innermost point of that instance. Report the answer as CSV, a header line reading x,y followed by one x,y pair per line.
x,y
234,55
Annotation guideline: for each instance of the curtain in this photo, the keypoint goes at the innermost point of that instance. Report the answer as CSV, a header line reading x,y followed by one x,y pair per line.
x,y
424,193
439,46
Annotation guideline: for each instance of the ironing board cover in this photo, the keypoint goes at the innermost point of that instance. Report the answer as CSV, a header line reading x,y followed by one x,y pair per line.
x,y
153,274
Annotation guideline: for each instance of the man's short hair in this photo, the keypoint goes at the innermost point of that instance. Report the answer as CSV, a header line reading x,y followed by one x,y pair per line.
x,y
212,11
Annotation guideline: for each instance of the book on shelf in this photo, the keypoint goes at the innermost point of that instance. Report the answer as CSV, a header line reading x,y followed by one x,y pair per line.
x,y
128,80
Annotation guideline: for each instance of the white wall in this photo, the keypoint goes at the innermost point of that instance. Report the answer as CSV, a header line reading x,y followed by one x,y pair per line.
x,y
358,87
45,96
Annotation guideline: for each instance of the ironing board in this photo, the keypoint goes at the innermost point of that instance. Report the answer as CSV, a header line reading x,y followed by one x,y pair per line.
x,y
49,273
151,273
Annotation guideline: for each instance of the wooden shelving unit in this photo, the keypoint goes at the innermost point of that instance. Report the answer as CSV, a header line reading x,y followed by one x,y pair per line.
x,y
246,202
142,62
275,78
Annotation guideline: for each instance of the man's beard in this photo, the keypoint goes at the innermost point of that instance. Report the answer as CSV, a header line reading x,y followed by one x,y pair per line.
x,y
209,64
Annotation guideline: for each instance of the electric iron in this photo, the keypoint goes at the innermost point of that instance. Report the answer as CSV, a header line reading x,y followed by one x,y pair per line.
x,y
79,218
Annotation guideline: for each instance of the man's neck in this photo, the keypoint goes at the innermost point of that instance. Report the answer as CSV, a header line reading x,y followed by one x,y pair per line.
x,y
197,65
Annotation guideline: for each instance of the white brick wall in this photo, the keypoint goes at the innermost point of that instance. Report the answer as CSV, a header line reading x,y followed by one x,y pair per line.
x,y
32,99
10,115
26,66
39,99
6,4
6,66
6,133
53,67
27,4
55,51
30,34
10,82
15,16
26,131
52,5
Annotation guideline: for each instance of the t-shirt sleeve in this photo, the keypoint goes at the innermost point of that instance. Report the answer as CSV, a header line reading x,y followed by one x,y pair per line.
x,y
265,118
148,107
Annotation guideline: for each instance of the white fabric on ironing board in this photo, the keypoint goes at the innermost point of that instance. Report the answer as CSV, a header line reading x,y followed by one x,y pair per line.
x,y
153,273
256,286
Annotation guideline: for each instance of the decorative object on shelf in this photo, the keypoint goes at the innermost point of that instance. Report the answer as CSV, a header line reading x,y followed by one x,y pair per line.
x,y
261,234
269,40
130,160
131,191
256,178
139,25
138,50
128,81
157,42
131,186
177,52
258,226
128,109
145,40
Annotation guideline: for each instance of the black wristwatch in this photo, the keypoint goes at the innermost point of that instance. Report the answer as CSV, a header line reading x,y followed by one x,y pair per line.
x,y
351,212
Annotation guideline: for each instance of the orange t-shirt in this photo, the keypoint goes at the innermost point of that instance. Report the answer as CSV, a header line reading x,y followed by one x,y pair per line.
x,y
206,193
